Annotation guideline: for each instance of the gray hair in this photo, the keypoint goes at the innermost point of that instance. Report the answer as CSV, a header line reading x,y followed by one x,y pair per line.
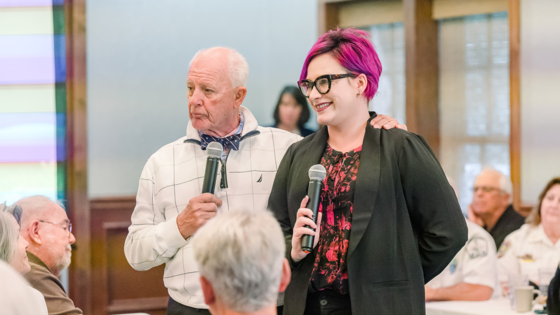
x,y
241,254
8,234
238,68
505,183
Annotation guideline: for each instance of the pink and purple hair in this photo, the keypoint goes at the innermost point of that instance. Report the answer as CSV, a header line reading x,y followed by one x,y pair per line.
x,y
352,48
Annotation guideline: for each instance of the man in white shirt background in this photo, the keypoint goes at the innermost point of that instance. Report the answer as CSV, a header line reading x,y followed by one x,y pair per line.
x,y
471,275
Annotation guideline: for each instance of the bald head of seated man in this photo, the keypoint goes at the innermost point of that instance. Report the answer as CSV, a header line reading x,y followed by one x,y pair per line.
x,y
47,229
240,255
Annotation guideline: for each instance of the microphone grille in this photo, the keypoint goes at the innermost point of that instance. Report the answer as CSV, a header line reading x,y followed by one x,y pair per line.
x,y
317,172
215,149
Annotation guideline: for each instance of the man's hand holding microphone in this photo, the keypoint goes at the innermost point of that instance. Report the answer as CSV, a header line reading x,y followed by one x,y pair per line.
x,y
202,208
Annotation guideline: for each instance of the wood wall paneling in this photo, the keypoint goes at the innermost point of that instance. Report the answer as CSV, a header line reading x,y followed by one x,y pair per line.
x,y
117,288
362,14
76,151
328,16
515,99
422,71
443,9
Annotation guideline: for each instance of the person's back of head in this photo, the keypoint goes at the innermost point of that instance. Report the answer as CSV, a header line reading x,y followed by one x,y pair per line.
x,y
240,255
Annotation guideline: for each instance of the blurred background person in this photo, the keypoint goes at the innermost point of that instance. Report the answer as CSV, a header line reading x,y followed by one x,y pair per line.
x,y
13,251
45,226
15,298
472,274
535,245
491,206
292,112
240,255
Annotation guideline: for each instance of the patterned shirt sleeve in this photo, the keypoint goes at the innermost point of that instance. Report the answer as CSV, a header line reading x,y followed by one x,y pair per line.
x,y
152,240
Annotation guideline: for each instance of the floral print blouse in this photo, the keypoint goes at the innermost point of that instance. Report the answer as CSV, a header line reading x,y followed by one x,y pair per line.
x,y
336,203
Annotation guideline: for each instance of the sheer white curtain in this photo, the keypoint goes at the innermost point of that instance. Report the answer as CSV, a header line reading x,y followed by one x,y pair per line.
x,y
388,40
474,97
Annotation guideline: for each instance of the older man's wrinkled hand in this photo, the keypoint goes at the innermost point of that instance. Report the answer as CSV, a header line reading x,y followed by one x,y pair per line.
x,y
386,122
199,210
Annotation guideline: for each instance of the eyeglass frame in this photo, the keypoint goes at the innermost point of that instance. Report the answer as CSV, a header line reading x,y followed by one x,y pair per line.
x,y
486,189
330,78
68,226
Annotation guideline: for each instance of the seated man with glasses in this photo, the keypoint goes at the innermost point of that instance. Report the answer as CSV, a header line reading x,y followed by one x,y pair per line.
x,y
491,206
45,226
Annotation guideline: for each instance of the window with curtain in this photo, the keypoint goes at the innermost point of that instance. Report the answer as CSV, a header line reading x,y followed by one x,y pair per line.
x,y
388,40
32,99
474,98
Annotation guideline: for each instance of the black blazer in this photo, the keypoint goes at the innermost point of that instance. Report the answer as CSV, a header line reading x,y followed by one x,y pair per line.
x,y
406,227
553,301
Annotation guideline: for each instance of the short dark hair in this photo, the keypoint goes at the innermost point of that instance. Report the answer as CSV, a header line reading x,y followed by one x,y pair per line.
x,y
300,99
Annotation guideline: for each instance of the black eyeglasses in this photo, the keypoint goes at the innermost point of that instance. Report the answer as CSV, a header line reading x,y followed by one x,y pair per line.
x,y
322,83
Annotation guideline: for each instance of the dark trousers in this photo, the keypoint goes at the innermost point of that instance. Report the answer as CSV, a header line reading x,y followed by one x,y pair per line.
x,y
176,308
328,302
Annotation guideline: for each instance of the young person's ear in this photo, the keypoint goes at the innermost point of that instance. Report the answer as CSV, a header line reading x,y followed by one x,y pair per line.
x,y
361,84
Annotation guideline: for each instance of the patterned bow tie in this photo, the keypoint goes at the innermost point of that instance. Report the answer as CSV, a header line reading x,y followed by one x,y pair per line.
x,y
231,142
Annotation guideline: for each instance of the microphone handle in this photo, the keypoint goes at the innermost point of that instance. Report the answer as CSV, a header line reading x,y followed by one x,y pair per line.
x,y
210,175
314,193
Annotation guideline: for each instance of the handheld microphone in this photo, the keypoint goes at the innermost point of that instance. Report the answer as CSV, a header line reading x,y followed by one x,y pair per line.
x,y
212,165
317,173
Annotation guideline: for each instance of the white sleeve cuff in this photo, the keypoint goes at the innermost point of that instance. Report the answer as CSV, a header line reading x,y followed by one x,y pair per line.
x,y
168,233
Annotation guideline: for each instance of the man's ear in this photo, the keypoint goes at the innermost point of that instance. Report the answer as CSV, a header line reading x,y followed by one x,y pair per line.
x,y
207,291
33,233
286,276
505,200
239,96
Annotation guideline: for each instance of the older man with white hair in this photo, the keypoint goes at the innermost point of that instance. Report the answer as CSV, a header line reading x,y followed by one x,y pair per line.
x,y
240,255
491,206
45,226
169,205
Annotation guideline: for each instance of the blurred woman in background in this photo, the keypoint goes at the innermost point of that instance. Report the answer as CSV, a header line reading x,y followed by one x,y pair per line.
x,y
292,112
535,245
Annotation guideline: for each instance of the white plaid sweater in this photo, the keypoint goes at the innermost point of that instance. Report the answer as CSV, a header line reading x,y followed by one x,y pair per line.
x,y
173,175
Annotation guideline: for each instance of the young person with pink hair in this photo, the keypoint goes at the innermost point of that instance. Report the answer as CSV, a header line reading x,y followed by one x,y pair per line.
x,y
388,220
